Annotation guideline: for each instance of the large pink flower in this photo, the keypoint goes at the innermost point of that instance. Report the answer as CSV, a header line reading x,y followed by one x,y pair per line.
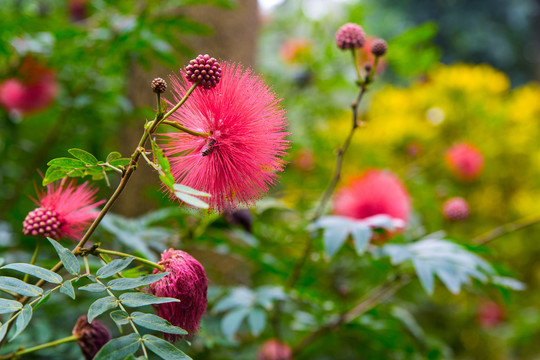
x,y
64,210
376,192
238,162
465,161
187,282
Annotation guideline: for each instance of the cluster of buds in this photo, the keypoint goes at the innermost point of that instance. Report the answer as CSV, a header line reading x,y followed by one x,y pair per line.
x,y
204,69
352,36
42,222
159,85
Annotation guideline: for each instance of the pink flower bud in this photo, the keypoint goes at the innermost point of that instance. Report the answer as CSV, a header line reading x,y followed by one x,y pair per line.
x,y
91,336
465,161
350,36
456,209
274,350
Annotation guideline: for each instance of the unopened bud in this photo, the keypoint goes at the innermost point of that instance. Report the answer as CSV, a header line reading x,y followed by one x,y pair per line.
x,y
90,336
205,69
350,36
159,85
379,47
456,209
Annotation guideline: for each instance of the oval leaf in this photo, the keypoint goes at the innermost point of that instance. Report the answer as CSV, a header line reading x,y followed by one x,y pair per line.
x,y
18,286
154,322
36,271
120,317
257,321
67,163
67,289
70,262
135,299
9,306
96,287
187,190
131,283
114,267
99,306
84,156
22,320
163,349
119,348
191,200
113,156
231,322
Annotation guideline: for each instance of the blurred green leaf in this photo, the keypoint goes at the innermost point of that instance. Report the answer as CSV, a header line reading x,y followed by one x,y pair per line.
x,y
163,349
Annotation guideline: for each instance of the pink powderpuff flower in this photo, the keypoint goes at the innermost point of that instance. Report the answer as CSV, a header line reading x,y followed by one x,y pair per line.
x,y
65,210
274,350
465,161
186,282
456,209
376,192
490,314
33,91
246,124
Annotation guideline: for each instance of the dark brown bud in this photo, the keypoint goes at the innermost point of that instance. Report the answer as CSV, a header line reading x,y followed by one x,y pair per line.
x,y
91,336
379,47
159,85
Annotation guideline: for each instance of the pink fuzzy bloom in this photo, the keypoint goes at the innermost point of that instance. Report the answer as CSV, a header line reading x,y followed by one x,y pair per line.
x,y
465,161
376,192
64,210
186,282
350,36
456,209
274,350
238,162
34,90
490,314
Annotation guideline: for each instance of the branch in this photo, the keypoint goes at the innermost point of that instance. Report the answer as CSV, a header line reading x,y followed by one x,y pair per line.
x,y
506,229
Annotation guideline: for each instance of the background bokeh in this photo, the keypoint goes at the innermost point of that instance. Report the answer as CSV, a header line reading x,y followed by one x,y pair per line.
x,y
456,71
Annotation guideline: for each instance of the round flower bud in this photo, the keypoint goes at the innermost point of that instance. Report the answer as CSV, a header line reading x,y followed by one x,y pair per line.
x,y
159,85
465,161
379,47
274,350
90,336
186,282
42,222
204,69
456,209
350,36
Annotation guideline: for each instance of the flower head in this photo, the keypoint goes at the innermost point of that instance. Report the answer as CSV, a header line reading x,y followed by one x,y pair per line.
x,y
64,210
379,47
465,161
204,69
376,192
33,90
350,36
456,209
186,282
90,336
274,350
245,124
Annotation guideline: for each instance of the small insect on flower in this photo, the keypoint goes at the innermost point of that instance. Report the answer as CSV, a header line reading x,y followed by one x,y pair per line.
x,y
208,147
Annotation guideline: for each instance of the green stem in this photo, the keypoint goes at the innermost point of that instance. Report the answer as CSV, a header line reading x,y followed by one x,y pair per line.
x,y
34,257
39,347
184,129
139,259
506,229
182,101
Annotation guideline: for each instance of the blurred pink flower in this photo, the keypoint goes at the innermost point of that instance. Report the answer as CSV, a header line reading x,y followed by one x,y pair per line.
x,y
376,192
64,210
465,161
350,36
274,350
186,282
305,159
33,90
245,149
456,209
490,314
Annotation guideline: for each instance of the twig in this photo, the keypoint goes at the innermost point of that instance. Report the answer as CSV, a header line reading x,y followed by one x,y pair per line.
x,y
506,229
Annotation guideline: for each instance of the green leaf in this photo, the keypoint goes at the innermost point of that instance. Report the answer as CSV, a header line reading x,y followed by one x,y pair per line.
x,y
187,190
67,163
67,289
19,286
120,162
3,331
130,283
135,299
191,200
154,322
257,321
119,348
163,349
70,262
95,287
22,321
361,233
84,156
113,156
114,267
53,173
9,306
231,322
120,317
99,306
46,296
36,271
